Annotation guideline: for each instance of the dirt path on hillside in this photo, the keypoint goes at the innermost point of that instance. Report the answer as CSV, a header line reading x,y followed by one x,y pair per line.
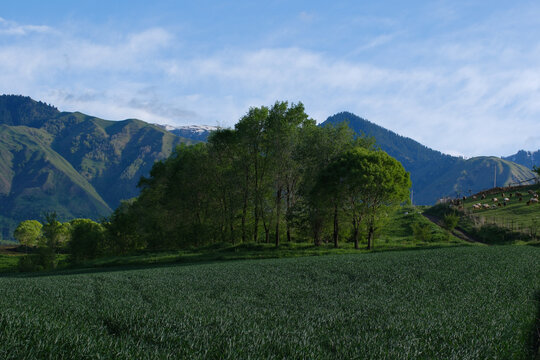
x,y
457,232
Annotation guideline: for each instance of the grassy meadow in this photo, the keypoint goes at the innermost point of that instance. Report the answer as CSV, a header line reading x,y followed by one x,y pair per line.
x,y
472,302
516,214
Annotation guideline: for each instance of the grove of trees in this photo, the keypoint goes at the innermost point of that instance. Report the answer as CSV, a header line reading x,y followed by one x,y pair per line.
x,y
275,177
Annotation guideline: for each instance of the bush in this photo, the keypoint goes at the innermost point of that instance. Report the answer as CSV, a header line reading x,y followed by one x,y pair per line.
x,y
421,232
450,221
29,263
44,259
87,240
492,234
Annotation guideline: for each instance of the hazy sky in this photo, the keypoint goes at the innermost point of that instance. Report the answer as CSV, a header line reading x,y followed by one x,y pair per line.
x,y
460,77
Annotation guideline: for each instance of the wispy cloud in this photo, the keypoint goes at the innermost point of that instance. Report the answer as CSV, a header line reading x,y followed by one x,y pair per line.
x,y
462,95
12,28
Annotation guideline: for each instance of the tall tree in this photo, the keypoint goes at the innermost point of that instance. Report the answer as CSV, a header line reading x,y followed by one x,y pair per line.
x,y
318,147
224,153
28,232
250,130
377,182
283,126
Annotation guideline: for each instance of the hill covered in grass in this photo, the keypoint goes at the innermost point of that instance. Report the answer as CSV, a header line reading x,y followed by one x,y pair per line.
x,y
436,175
75,164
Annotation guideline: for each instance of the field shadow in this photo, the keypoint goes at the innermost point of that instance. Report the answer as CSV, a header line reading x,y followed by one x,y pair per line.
x,y
205,259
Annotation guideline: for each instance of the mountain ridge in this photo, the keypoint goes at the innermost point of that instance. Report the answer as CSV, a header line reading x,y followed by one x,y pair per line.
x,y
69,162
434,174
530,159
83,166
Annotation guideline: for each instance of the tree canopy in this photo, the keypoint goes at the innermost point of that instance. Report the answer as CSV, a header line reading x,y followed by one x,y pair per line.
x,y
28,232
275,177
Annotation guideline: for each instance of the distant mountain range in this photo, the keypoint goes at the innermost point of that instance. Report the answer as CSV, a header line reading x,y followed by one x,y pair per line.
x,y
525,158
82,166
434,174
71,163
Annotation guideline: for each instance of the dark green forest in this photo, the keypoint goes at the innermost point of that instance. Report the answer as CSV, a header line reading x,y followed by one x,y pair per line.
x,y
275,177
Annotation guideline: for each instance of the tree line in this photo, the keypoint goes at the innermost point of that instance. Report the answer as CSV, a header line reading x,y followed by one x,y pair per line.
x,y
276,176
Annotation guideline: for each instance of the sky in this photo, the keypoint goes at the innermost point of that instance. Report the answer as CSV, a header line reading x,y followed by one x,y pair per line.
x,y
461,77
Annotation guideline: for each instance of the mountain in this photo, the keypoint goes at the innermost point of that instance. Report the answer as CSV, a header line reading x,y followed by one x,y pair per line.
x,y
75,164
435,175
526,158
193,132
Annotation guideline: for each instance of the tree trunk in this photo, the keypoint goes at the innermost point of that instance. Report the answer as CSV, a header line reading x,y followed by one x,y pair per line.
x,y
370,237
336,226
231,228
257,200
355,234
317,239
289,239
256,229
244,208
244,213
278,214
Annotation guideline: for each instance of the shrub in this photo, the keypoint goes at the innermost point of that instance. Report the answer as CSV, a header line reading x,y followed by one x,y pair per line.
x,y
450,221
421,232
87,240
28,263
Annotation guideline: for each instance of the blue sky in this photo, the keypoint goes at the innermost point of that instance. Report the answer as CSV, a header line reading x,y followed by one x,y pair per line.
x,y
460,77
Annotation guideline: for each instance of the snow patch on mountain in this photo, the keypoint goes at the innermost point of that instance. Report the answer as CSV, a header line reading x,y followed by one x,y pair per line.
x,y
195,132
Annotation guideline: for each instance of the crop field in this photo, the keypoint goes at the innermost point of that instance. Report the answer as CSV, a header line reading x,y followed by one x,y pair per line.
x,y
472,302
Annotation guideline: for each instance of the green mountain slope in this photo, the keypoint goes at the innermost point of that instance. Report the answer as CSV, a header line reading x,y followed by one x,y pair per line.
x,y
35,179
435,175
111,155
529,159
74,164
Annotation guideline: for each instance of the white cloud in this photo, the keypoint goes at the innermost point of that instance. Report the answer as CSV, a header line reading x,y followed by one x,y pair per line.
x,y
464,100
12,28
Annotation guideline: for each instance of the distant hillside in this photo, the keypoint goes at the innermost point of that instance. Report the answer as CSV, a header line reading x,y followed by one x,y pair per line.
x,y
74,164
434,174
525,158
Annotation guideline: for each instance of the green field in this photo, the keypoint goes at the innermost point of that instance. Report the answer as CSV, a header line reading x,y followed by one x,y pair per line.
x,y
8,262
471,302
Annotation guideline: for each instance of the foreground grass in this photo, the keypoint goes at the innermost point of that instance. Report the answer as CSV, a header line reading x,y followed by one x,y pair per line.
x,y
471,302
8,262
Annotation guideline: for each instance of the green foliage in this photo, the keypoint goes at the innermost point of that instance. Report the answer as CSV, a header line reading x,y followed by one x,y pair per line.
x,y
393,305
367,184
123,228
87,240
28,232
78,165
434,174
450,221
30,263
421,232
